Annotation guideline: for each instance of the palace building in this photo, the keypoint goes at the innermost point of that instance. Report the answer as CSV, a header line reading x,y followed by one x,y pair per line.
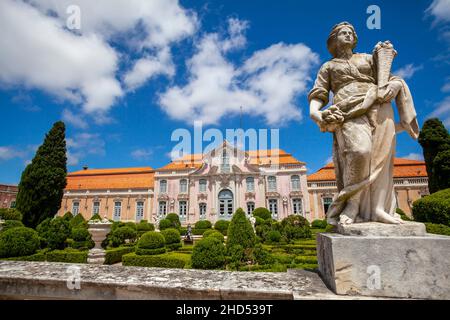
x,y
212,186
8,194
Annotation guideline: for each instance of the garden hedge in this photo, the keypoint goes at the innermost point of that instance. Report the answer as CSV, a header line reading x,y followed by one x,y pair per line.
x,y
169,260
10,214
437,228
208,253
151,243
18,242
115,255
9,224
222,226
262,213
214,233
319,224
434,208
67,255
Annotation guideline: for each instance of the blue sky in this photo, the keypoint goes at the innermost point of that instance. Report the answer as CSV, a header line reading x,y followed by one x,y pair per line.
x,y
129,77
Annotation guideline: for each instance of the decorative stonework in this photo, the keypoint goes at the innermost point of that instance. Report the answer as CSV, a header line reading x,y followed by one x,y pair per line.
x,y
202,196
272,195
183,196
296,194
250,195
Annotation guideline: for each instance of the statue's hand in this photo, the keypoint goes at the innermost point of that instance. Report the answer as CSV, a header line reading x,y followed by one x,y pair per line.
x,y
390,91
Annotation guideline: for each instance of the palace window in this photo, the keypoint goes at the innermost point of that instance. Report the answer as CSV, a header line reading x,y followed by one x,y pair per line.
x,y
225,204
12,205
202,207
75,208
117,210
225,167
202,185
162,208
250,208
183,186
96,208
272,180
295,182
297,206
326,204
139,210
250,184
183,209
163,186
273,207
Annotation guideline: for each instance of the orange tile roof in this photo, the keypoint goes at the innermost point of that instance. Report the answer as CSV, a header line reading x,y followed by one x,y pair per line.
x,y
117,178
403,168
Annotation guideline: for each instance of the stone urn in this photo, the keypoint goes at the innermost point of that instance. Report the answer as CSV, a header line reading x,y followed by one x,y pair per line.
x,y
98,230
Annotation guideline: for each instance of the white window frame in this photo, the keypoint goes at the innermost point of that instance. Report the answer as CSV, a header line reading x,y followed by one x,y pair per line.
x,y
202,184
202,210
272,183
183,185
162,208
163,186
250,205
117,213
95,208
182,209
295,182
139,210
250,182
273,207
297,206
77,210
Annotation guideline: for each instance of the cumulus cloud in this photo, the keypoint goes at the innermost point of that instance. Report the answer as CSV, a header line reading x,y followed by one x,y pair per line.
x,y
266,84
442,111
83,144
8,153
440,10
74,119
407,71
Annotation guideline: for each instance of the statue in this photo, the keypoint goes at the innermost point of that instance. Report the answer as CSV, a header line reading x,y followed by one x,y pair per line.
x,y
156,218
361,119
253,222
188,237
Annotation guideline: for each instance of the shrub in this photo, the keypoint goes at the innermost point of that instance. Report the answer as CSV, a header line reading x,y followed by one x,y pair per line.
x,y
121,234
330,228
259,221
273,236
199,232
175,219
54,232
208,253
68,215
68,255
9,224
434,208
169,260
214,233
262,213
240,231
81,239
115,255
183,231
319,224
165,224
295,227
95,217
172,238
18,242
262,256
222,226
437,228
10,214
203,224
144,226
150,243
402,214
235,255
78,221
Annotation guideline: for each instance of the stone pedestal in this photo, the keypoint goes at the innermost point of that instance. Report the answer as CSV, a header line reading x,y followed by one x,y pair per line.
x,y
98,231
406,263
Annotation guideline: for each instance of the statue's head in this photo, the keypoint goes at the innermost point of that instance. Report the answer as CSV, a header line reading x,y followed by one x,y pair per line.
x,y
342,35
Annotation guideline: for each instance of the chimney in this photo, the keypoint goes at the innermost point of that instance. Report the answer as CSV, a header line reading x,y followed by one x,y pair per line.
x,y
85,167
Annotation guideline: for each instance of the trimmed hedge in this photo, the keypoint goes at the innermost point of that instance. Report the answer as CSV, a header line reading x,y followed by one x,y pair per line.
x,y
172,238
18,242
199,232
295,227
437,228
319,224
434,208
240,231
222,226
9,224
169,260
203,224
214,233
144,226
165,224
95,217
403,215
54,232
67,255
208,253
151,243
78,221
121,234
273,236
10,214
175,219
115,255
262,213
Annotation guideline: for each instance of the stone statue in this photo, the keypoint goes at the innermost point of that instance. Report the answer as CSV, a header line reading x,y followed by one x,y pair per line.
x,y
361,119
253,222
156,218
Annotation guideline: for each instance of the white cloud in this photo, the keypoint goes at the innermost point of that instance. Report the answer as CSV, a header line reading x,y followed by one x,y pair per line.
x,y
83,144
74,119
8,153
413,156
442,111
329,159
440,10
266,84
407,71
141,154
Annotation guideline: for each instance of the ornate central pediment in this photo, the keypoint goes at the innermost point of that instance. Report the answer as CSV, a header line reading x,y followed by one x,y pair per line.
x,y
183,196
272,195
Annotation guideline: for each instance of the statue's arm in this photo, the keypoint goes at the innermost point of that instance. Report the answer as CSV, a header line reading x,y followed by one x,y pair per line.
x,y
314,110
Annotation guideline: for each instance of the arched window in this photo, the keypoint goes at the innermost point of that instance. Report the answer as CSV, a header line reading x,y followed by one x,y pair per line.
x,y
225,203
326,204
272,180
202,185
163,186
295,182
250,184
183,186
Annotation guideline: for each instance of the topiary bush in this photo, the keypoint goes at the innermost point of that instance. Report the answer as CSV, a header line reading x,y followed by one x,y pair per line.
x,y
402,214
262,213
81,239
120,236
273,236
151,243
68,255
214,233
319,224
262,256
95,217
168,260
68,215
222,226
240,231
208,253
165,224
54,232
9,224
10,214
172,238
235,255
175,219
434,208
115,255
17,242
437,228
78,221
295,227
203,224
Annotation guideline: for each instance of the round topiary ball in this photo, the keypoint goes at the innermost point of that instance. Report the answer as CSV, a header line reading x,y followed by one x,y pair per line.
x,y
18,242
203,224
208,253
150,243
213,233
171,235
222,226
165,224
80,234
262,212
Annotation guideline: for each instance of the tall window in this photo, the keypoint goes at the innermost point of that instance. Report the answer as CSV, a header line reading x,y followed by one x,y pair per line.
x,y
297,206
272,183
225,204
162,208
202,207
250,208
273,207
12,205
96,208
183,209
163,186
75,208
202,185
225,161
117,210
295,183
250,184
183,186
326,203
139,210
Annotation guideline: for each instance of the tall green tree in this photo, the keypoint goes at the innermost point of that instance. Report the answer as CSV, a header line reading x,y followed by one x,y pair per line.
x,y
44,179
434,139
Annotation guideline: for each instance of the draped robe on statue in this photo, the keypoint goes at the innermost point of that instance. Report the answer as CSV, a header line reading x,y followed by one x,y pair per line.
x,y
363,146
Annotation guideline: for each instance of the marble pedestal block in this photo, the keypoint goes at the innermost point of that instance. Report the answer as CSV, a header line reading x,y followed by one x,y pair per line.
x,y
396,266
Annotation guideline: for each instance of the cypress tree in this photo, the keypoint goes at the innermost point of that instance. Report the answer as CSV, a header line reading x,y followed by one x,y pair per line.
x,y
240,231
433,138
44,179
